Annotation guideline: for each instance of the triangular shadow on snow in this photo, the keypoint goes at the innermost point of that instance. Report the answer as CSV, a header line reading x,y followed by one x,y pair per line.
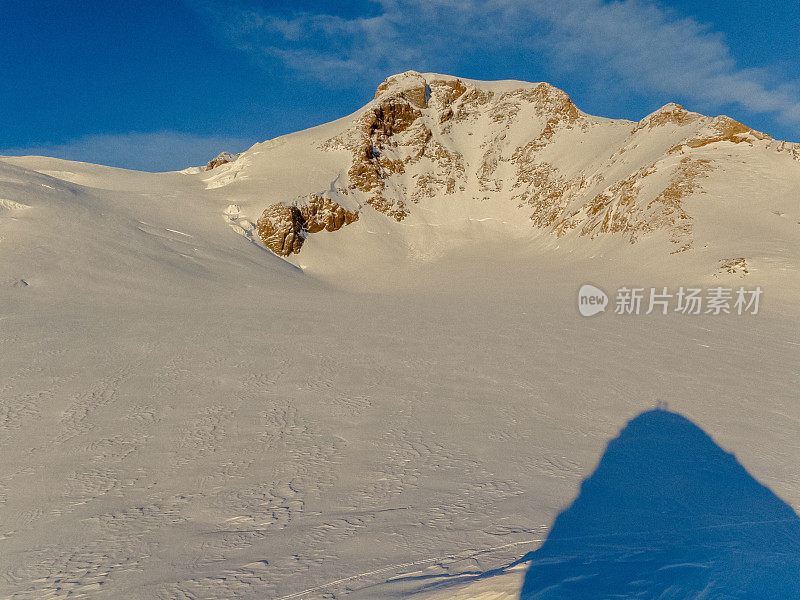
x,y
668,514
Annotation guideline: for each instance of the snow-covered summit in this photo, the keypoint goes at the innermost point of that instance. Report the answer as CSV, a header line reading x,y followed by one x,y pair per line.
x,y
432,150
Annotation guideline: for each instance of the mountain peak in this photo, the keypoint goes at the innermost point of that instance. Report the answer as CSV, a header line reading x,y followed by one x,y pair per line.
x,y
669,114
410,85
418,87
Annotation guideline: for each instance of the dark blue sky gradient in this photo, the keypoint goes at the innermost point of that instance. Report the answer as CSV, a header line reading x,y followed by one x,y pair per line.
x,y
74,69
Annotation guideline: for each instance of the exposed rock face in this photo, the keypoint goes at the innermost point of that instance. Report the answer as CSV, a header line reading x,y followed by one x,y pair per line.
x,y
391,139
521,146
404,142
734,266
320,213
617,209
223,158
669,114
283,229
724,129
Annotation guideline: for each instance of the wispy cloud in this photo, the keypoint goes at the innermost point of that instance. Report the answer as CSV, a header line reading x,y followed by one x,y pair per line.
x,y
321,46
156,151
649,50
639,44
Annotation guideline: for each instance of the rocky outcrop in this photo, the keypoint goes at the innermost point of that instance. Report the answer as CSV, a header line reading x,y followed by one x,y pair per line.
x,y
722,129
223,158
284,229
398,105
734,266
281,229
619,209
402,139
323,214
395,139
669,114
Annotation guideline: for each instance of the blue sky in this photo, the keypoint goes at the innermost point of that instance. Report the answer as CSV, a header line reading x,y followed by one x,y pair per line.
x,y
163,85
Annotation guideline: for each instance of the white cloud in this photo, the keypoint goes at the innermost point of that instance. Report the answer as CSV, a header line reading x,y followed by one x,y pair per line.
x,y
640,44
156,151
651,51
321,46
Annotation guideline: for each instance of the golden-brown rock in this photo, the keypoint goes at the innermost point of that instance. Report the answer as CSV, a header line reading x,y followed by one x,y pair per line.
x,y
223,158
320,213
281,229
669,114
284,229
722,129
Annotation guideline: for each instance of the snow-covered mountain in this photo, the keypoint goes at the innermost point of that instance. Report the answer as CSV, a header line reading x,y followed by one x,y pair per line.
x,y
349,362
431,150
435,163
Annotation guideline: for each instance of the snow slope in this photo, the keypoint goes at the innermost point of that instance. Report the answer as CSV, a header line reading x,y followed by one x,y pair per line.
x,y
186,415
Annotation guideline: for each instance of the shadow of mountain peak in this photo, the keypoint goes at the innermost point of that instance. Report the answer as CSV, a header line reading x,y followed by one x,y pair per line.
x,y
668,514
